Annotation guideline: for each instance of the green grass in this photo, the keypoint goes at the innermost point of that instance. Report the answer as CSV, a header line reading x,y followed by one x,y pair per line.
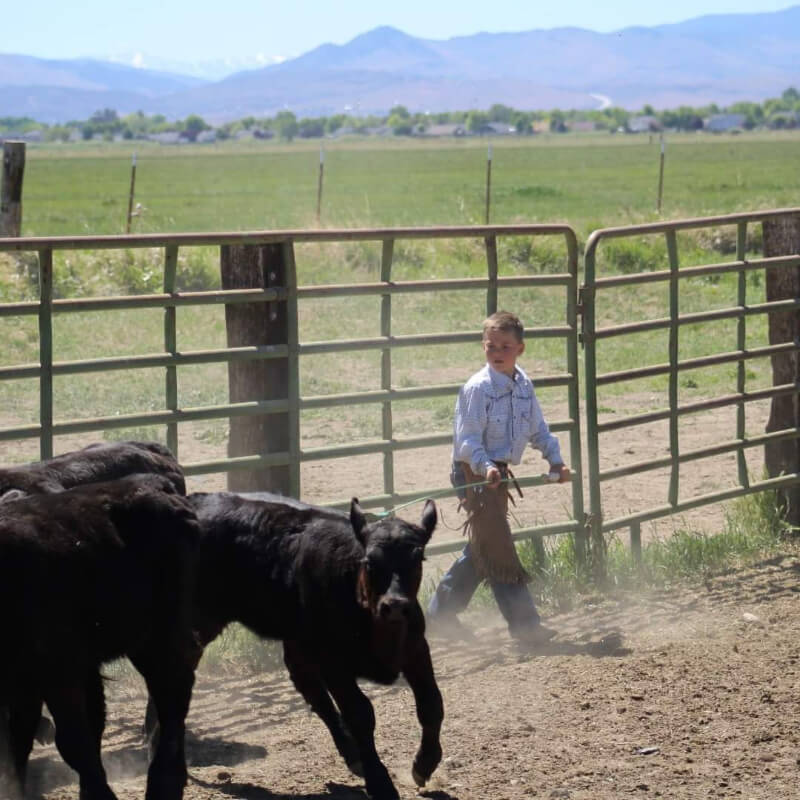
x,y
754,528
589,181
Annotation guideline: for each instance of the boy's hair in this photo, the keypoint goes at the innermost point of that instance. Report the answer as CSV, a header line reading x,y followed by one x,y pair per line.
x,y
504,321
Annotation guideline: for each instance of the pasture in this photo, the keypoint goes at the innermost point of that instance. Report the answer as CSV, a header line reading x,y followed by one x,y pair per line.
x,y
588,181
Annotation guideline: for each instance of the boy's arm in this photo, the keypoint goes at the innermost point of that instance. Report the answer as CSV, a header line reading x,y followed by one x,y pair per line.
x,y
468,427
545,441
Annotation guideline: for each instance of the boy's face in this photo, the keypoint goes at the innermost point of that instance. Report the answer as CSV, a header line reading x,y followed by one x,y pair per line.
x,y
502,350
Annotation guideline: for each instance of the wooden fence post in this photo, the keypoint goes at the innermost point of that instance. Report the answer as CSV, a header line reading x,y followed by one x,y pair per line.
x,y
11,189
248,324
782,237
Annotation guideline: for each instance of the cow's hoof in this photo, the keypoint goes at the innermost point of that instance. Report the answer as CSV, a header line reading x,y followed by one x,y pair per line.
x,y
419,779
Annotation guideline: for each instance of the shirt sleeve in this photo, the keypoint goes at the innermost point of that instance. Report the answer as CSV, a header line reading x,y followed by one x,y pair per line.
x,y
541,437
469,424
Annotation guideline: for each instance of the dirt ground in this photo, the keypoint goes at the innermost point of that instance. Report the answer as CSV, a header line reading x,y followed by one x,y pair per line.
x,y
701,700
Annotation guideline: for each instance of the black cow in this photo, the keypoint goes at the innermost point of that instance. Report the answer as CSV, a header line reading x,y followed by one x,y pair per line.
x,y
98,462
341,593
86,576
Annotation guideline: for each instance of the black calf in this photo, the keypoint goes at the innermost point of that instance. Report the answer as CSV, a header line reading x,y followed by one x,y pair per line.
x,y
92,464
342,596
86,576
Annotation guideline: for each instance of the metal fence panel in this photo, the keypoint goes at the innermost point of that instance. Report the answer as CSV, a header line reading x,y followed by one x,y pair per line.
x,y
384,342
672,278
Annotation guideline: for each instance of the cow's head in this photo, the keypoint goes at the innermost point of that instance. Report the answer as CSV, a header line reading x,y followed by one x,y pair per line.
x,y
390,574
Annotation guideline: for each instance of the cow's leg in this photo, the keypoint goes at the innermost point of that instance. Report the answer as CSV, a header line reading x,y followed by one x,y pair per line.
x,y
418,671
308,681
25,711
169,680
10,780
76,737
96,707
359,716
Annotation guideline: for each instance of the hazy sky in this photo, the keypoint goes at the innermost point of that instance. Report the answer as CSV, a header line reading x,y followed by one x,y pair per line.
x,y
200,30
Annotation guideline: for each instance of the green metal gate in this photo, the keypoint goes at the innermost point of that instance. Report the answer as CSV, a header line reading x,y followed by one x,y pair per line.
x,y
172,358
675,281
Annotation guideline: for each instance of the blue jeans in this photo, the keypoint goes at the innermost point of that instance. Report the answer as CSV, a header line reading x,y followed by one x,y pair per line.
x,y
456,588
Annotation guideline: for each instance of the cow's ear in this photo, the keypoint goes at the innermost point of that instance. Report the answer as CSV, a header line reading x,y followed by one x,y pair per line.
x,y
358,521
429,517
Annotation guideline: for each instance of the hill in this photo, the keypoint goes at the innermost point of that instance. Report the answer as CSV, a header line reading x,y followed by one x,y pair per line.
x,y
712,59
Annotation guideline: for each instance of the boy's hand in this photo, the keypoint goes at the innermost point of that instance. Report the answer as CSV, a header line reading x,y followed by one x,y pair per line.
x,y
493,477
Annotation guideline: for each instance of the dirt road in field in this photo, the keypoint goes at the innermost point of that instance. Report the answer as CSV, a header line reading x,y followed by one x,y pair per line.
x,y
701,700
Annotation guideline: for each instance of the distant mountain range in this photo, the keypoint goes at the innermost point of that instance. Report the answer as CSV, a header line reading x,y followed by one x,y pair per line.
x,y
713,59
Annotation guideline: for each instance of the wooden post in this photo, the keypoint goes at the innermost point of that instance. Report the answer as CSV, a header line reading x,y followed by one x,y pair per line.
x,y
488,182
11,188
660,176
319,184
130,194
782,237
248,324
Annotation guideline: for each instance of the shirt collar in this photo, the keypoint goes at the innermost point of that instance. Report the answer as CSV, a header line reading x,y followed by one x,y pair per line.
x,y
502,380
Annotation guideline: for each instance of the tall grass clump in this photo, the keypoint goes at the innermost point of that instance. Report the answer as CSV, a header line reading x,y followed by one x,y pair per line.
x,y
754,527
237,649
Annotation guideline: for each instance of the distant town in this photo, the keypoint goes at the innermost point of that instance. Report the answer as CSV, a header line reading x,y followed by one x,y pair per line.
x,y
499,120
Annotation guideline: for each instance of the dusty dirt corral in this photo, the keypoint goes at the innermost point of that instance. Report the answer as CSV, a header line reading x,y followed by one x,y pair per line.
x,y
701,700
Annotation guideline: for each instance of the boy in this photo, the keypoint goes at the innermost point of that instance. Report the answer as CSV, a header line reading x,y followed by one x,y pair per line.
x,y
496,415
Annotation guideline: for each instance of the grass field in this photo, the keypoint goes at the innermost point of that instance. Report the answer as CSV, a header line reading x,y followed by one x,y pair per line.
x,y
588,181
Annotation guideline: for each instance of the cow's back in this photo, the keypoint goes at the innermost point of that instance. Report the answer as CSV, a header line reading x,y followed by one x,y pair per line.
x,y
86,573
283,569
95,463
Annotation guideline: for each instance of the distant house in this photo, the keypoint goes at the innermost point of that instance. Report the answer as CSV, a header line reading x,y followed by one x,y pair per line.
x,y
719,123
165,137
28,136
784,119
583,126
499,129
644,123
345,130
205,137
446,130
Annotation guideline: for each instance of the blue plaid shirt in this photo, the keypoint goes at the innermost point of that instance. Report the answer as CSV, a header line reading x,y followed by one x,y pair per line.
x,y
495,417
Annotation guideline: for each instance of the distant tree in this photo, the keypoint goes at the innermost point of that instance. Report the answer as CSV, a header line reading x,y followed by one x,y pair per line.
x,y
193,126
311,128
400,125
477,121
399,111
648,110
790,95
107,115
558,122
522,123
500,113
332,124
286,125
